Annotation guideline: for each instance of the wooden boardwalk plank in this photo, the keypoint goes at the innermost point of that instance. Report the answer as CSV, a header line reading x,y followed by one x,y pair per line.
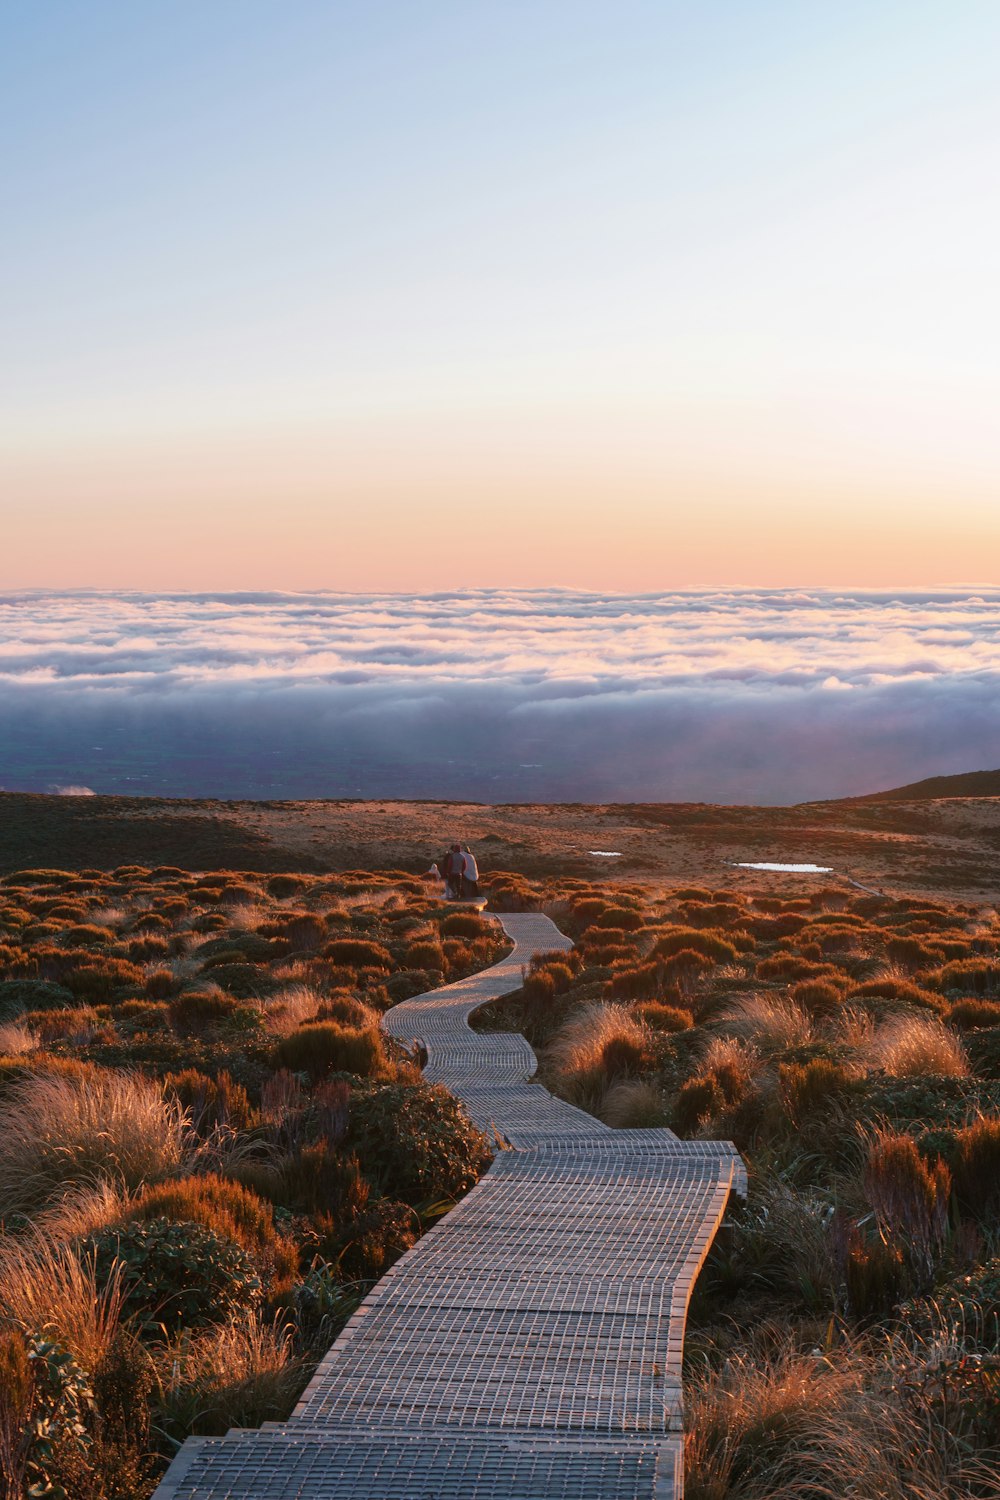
x,y
530,1344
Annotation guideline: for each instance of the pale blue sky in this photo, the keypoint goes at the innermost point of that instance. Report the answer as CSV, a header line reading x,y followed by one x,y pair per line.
x,y
357,263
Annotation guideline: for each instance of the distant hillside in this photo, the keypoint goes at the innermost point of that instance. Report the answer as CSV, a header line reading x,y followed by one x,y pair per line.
x,y
968,784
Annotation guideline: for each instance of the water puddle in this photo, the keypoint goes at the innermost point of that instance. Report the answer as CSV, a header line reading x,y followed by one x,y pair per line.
x,y
606,853
791,869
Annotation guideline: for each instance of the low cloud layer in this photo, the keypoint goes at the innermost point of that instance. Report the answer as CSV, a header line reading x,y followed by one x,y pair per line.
x,y
728,696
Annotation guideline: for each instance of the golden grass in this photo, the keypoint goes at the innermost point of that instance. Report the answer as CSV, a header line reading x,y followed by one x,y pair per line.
x,y
59,1130
579,1044
16,1039
47,1289
783,1424
911,1046
770,1023
632,1104
235,1375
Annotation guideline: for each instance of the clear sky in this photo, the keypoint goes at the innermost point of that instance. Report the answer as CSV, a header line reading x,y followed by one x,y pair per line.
x,y
410,296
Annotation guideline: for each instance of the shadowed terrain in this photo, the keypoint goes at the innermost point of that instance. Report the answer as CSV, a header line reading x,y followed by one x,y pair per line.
x,y
942,846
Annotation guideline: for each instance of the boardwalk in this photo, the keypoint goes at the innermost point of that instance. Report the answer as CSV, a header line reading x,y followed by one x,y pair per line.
x,y
529,1346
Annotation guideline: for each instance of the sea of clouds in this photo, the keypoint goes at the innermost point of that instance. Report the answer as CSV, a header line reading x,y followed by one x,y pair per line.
x,y
494,695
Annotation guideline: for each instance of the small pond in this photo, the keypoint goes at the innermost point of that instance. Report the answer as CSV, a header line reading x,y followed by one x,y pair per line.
x,y
791,869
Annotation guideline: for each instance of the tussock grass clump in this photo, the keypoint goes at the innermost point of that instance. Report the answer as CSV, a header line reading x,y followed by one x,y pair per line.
x,y
910,1199
706,941
910,1046
777,1423
968,1015
770,1023
976,1167
599,1042
633,1104
57,1130
976,976
659,1017
50,1289
237,1375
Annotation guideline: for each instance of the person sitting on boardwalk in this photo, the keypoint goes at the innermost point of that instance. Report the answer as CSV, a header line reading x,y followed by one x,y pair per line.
x,y
453,870
470,875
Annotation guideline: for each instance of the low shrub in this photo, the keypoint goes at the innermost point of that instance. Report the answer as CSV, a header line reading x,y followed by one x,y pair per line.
x,y
659,1017
809,1089
230,1210
968,1015
416,1142
201,1010
176,1275
360,953
698,940
464,924
327,1047
18,995
244,981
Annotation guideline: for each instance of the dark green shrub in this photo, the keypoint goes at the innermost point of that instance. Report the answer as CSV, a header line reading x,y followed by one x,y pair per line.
x,y
245,981
410,982
237,947
326,1047
318,1179
416,1142
141,1015
18,995
199,1010
177,1274
376,1239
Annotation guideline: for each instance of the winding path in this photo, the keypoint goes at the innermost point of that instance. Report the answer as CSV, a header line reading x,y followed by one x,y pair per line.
x,y
529,1345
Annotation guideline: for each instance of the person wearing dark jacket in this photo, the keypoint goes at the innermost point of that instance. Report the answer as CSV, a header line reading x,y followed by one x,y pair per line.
x,y
453,869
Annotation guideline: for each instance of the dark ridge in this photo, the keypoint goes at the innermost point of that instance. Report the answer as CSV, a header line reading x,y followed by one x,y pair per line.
x,y
40,831
968,784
